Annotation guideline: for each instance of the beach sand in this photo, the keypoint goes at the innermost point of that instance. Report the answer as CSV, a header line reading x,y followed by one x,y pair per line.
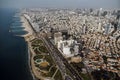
x,y
26,26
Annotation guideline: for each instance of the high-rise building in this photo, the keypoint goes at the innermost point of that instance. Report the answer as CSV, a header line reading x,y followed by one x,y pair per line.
x,y
68,48
57,37
107,28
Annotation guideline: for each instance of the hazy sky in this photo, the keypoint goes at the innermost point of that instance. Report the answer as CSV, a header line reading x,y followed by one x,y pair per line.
x,y
61,3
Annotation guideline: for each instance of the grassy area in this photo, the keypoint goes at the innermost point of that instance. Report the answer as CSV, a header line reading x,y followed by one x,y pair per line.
x,y
85,76
38,57
46,70
58,76
34,45
36,51
52,71
51,67
49,59
43,49
38,47
37,41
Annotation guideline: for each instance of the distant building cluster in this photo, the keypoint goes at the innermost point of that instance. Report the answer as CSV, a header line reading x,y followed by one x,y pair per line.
x,y
76,21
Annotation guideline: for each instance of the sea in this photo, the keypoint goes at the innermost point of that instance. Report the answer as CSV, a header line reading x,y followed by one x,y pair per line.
x,y
13,48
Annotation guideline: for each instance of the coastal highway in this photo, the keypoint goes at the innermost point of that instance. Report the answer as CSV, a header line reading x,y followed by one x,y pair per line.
x,y
57,60
31,26
56,52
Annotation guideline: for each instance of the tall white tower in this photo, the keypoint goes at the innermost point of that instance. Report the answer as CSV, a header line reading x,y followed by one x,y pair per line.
x,y
100,11
99,29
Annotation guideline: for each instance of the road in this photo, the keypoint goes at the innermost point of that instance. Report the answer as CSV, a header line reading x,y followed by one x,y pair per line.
x,y
56,58
60,59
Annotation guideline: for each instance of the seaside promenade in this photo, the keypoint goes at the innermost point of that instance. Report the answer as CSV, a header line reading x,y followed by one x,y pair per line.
x,y
27,27
28,37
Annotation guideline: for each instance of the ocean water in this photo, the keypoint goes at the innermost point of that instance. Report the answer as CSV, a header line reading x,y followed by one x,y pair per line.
x,y
13,49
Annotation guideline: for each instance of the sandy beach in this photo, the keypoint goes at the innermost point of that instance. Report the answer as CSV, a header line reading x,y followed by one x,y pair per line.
x,y
26,26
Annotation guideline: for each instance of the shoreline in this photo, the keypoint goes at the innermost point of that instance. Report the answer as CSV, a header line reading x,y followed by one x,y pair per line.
x,y
28,37
29,62
26,26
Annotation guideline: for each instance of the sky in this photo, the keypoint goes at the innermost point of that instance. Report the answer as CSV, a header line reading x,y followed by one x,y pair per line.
x,y
61,3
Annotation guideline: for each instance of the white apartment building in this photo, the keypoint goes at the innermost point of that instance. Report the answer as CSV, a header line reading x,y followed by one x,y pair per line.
x,y
68,48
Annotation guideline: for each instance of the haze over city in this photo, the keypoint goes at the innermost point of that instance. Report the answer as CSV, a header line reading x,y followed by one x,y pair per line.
x,y
61,3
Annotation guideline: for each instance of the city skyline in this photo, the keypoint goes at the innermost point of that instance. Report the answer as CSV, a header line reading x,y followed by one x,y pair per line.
x,y
60,39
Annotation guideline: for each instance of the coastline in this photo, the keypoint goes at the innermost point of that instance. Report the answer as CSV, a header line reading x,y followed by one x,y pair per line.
x,y
13,52
25,24
29,62
28,37
26,27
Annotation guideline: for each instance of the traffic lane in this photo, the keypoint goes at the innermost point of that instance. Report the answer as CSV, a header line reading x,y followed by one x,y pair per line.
x,y
76,76
67,78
